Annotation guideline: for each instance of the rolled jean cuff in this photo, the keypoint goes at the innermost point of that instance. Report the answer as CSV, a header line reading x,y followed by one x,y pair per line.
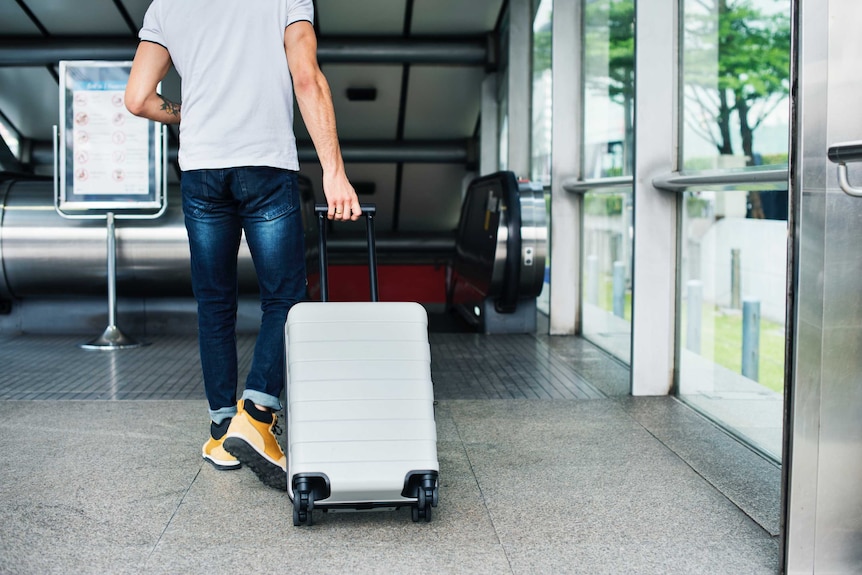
x,y
220,415
262,399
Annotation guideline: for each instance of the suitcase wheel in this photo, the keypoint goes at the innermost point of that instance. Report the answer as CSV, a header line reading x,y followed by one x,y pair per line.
x,y
303,504
426,499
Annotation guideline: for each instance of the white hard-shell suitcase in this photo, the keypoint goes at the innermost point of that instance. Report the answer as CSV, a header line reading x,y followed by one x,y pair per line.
x,y
360,402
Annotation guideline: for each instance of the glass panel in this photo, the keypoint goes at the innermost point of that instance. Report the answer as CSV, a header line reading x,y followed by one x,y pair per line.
x,y
607,294
608,152
735,112
540,141
736,68
732,310
608,88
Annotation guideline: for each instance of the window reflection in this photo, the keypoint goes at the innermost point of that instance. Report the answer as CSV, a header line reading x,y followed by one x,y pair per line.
x,y
607,277
609,88
733,245
541,125
540,165
608,152
736,69
732,310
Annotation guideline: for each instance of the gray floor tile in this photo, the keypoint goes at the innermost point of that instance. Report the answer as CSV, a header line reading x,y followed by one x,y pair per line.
x,y
540,473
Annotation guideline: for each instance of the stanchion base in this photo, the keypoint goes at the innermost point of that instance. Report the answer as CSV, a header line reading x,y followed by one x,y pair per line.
x,y
112,339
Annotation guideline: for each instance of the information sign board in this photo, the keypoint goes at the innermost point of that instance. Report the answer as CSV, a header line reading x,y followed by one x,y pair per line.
x,y
109,159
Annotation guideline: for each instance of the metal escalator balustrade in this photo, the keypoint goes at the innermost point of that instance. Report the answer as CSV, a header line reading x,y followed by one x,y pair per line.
x,y
42,254
500,250
45,256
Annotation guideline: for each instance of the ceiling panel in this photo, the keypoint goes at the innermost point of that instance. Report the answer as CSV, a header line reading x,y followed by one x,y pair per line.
x,y
376,119
33,106
455,16
90,17
137,9
443,102
366,18
431,197
13,20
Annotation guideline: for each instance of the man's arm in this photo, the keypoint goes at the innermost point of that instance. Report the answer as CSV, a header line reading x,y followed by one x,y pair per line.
x,y
315,104
151,63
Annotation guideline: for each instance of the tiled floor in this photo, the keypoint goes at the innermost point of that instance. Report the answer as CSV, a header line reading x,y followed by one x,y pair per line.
x,y
464,366
547,466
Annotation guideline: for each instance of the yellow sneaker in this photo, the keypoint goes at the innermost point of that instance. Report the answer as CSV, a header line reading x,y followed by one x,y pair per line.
x,y
254,444
214,452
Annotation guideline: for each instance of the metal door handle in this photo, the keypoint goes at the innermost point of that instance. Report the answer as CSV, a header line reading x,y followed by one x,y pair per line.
x,y
841,154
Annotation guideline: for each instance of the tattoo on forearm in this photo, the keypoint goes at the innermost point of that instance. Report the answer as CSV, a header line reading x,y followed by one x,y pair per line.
x,y
171,108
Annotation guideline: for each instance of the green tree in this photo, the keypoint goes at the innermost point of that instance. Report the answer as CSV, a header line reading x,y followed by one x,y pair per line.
x,y
609,38
752,49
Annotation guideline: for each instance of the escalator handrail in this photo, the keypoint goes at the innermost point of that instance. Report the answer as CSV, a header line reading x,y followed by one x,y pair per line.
x,y
509,293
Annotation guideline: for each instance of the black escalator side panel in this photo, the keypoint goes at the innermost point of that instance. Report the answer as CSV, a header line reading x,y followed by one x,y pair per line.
x,y
476,241
490,201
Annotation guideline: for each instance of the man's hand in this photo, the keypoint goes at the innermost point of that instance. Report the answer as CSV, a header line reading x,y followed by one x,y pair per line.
x,y
341,198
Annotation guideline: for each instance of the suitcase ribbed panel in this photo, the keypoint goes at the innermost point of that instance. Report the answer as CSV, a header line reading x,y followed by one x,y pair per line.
x,y
358,331
361,390
362,410
347,371
360,398
346,312
312,432
363,350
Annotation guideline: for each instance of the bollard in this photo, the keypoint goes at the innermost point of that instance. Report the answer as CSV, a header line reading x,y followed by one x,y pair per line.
x,y
735,278
619,289
695,316
592,280
751,338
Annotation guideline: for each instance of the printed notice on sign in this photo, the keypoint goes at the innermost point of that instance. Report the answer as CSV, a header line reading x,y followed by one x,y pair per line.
x,y
108,159
110,147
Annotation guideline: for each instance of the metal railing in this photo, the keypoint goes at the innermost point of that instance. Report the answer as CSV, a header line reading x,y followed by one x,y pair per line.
x,y
577,186
748,180
756,179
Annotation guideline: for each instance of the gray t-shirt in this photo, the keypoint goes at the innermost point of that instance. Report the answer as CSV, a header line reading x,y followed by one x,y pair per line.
x,y
237,95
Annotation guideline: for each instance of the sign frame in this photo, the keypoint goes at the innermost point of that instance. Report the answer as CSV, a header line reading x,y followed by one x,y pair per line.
x,y
106,159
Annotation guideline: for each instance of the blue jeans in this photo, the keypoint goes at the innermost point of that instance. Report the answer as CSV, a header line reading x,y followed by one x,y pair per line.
x,y
219,205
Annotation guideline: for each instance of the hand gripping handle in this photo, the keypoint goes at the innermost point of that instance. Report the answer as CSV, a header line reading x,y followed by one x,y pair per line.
x,y
369,211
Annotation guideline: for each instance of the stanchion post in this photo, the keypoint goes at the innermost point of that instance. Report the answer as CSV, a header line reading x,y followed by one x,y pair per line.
x,y
694,316
619,289
592,289
735,278
751,338
113,337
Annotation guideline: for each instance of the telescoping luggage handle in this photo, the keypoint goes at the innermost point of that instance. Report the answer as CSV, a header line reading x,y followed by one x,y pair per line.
x,y
368,210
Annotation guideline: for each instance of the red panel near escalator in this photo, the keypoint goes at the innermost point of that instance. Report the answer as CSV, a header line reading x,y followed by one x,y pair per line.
x,y
419,283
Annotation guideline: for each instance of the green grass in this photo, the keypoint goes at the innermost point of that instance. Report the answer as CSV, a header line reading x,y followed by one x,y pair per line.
x,y
721,337
721,342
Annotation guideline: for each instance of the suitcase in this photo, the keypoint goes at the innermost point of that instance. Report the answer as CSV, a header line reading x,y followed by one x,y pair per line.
x,y
360,403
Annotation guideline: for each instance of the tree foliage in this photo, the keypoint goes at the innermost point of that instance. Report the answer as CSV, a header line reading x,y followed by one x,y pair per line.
x,y
736,62
610,34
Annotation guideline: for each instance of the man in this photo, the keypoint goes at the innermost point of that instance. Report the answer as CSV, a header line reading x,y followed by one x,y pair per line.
x,y
238,159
